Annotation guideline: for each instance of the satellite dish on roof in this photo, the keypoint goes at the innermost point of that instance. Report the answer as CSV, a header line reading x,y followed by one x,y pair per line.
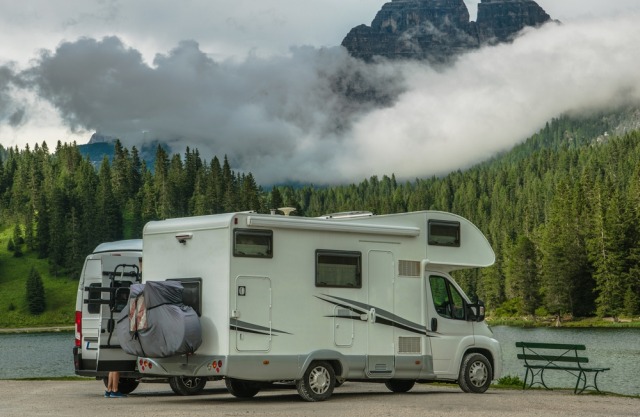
x,y
287,210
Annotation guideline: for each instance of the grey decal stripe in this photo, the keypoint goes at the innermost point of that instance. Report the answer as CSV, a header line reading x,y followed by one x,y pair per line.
x,y
253,328
383,317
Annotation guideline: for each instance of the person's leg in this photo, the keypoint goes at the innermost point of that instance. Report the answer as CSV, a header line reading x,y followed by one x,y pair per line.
x,y
109,385
116,381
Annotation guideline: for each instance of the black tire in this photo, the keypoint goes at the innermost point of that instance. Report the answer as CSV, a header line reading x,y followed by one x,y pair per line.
x,y
399,385
475,373
241,389
125,385
187,385
318,382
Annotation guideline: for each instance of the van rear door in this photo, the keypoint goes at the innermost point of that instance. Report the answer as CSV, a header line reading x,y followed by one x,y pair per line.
x,y
118,273
91,317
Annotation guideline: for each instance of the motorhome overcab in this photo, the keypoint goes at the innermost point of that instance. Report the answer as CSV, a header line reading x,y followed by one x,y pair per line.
x,y
320,301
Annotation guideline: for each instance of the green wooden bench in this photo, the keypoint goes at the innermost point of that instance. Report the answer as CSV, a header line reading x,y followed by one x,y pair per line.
x,y
541,357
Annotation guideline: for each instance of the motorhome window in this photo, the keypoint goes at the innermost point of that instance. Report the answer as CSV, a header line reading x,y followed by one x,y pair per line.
x,y
253,243
192,293
338,269
94,295
447,301
444,233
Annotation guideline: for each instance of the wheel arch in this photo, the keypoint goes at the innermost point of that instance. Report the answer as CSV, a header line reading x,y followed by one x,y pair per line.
x,y
334,358
485,352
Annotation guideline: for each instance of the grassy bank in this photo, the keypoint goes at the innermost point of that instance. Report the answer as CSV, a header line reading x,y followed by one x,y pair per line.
x,y
584,322
60,292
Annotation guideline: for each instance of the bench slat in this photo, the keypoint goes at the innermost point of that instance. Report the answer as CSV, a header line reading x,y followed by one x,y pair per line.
x,y
552,358
535,345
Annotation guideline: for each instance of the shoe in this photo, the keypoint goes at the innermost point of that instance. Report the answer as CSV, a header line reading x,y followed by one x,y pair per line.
x,y
107,394
117,394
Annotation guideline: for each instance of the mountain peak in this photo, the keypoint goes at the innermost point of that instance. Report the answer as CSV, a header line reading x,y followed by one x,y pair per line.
x,y
438,30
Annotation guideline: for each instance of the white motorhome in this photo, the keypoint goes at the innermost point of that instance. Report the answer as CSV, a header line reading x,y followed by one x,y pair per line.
x,y
320,301
103,291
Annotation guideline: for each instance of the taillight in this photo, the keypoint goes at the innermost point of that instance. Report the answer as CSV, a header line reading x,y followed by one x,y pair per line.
x,y
78,328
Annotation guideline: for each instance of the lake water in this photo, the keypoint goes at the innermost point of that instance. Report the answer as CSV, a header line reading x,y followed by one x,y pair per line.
x,y
50,354
618,349
31,355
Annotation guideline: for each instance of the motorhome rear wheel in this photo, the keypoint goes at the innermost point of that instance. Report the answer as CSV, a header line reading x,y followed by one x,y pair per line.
x,y
187,385
318,382
399,385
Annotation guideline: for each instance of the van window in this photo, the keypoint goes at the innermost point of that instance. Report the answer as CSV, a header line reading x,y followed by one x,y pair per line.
x,y
121,296
444,233
94,295
338,269
253,243
447,301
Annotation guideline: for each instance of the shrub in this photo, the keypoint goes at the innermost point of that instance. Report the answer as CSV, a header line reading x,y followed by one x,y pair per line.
x,y
510,381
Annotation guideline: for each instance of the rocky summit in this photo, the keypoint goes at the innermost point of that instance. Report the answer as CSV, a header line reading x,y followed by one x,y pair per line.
x,y
438,30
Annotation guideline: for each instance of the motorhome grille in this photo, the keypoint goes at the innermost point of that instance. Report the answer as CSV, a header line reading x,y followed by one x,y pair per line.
x,y
409,268
409,345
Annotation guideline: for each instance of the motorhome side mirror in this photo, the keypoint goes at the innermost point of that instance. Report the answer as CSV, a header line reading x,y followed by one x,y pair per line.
x,y
476,311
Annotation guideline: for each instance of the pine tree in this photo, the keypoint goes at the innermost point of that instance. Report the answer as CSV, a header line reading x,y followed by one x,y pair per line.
x,y
522,275
35,294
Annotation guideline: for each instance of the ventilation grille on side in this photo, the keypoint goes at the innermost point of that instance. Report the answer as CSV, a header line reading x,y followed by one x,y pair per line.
x,y
409,268
409,345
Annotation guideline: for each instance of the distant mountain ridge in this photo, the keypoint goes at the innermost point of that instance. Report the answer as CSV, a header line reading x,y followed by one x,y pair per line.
x,y
438,30
100,145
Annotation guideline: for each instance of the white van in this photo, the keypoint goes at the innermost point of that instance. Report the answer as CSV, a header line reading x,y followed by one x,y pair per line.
x,y
103,292
320,301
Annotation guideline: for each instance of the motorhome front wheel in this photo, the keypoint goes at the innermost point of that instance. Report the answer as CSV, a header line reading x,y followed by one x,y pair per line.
x,y
475,373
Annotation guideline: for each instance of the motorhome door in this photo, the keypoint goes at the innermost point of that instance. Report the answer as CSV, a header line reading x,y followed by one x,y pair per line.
x,y
380,358
447,321
251,317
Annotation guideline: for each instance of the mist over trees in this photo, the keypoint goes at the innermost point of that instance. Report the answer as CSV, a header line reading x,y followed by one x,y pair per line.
x,y
562,211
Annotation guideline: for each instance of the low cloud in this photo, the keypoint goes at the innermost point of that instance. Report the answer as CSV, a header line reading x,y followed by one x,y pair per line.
x,y
318,115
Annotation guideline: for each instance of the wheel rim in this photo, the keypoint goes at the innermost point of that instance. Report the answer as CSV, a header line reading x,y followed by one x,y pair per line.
x,y
478,374
319,380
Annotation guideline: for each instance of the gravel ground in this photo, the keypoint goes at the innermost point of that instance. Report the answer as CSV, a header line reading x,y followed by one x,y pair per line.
x,y
85,398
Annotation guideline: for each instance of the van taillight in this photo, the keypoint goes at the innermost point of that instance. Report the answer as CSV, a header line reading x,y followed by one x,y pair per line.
x,y
78,328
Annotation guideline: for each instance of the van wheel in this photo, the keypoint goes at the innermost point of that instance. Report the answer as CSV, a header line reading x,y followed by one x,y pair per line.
x,y
399,385
187,385
475,373
317,382
125,385
241,389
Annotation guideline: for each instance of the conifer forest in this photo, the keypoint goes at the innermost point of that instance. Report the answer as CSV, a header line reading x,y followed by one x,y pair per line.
x,y
561,210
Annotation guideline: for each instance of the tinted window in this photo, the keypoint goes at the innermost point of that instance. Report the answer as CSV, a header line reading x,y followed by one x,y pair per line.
x,y
94,295
447,301
338,269
192,293
253,243
443,233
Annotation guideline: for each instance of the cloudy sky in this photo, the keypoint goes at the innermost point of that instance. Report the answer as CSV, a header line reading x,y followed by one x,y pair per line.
x,y
256,80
